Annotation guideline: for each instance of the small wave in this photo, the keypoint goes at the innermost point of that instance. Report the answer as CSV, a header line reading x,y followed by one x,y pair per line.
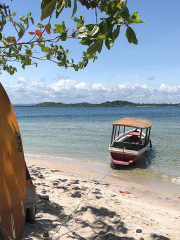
x,y
60,158
36,156
176,180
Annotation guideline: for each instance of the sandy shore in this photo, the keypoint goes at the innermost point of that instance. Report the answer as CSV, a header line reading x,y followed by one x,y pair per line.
x,y
84,206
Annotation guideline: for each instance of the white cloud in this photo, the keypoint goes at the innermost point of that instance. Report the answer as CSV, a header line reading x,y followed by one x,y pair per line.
x,y
167,88
80,86
71,91
21,80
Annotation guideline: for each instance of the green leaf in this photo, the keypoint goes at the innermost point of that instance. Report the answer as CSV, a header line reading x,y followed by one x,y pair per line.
x,y
21,33
131,36
10,39
67,3
136,15
94,47
116,32
94,31
82,32
32,20
86,41
75,8
105,27
111,7
100,47
48,25
126,15
58,28
39,25
135,18
60,64
109,43
138,21
82,29
121,2
28,52
45,49
59,8
23,18
79,21
14,14
29,14
63,36
101,36
47,7
82,35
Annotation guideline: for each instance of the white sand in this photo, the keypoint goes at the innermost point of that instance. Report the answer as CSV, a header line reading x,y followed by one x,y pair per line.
x,y
113,210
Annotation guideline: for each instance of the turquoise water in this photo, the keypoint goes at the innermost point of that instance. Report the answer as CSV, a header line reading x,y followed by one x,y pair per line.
x,y
84,134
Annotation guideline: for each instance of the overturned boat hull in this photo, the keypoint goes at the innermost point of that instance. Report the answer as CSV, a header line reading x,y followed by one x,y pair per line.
x,y
12,172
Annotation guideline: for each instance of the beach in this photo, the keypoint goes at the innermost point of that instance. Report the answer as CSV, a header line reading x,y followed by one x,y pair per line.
x,y
77,202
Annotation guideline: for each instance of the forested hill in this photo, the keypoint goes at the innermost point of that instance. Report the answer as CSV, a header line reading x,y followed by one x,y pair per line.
x,y
84,104
105,104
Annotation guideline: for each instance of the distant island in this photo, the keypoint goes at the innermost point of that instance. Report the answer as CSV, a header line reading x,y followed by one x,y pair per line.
x,y
117,103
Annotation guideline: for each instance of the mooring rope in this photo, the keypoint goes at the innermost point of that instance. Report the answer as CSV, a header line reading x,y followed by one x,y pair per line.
x,y
69,217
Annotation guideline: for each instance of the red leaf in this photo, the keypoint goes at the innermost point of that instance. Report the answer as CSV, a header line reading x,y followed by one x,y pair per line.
x,y
31,33
48,30
39,33
73,30
10,20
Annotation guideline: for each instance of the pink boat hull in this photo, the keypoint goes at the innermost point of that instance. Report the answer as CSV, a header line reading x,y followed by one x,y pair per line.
x,y
124,159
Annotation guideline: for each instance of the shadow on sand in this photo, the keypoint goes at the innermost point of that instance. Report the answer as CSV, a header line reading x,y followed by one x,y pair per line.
x,y
102,224
42,225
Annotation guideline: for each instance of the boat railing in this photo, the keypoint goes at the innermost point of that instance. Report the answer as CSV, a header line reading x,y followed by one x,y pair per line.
x,y
121,134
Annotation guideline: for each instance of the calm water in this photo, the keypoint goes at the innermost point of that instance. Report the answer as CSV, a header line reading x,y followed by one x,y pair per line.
x,y
84,134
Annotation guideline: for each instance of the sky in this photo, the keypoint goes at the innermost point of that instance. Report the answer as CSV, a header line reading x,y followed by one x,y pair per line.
x,y
146,73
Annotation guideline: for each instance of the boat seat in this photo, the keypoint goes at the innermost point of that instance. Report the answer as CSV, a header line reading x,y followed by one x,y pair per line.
x,y
135,138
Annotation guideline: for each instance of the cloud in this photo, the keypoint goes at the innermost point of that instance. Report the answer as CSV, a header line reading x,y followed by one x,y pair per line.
x,y
24,91
151,78
21,81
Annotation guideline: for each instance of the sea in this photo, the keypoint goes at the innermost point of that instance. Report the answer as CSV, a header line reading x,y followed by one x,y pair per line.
x,y
82,135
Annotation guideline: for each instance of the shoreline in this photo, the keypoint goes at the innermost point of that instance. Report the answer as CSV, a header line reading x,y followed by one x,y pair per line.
x,y
166,182
118,206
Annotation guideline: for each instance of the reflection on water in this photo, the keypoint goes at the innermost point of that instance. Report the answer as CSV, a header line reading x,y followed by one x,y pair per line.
x,y
147,160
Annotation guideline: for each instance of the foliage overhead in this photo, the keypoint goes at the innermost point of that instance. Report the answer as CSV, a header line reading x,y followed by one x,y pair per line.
x,y
29,43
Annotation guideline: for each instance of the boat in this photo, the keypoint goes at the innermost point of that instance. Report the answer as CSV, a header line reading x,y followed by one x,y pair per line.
x,y
130,140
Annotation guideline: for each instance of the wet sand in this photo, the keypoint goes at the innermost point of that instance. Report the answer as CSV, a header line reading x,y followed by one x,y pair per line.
x,y
84,204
